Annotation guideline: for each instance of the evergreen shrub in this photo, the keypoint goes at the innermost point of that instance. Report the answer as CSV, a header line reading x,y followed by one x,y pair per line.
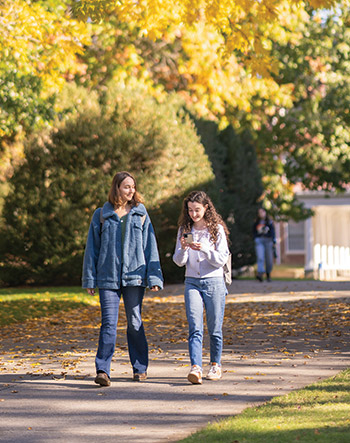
x,y
68,171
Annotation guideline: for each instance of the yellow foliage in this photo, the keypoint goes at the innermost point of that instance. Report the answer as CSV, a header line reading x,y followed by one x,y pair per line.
x,y
245,25
210,82
39,42
213,84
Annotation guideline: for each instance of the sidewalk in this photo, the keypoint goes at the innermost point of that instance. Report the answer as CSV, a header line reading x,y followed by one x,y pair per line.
x,y
279,336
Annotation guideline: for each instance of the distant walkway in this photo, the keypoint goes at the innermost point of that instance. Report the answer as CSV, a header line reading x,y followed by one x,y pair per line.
x,y
279,336
245,286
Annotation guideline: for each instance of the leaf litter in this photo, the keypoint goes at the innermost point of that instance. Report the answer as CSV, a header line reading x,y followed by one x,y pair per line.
x,y
55,346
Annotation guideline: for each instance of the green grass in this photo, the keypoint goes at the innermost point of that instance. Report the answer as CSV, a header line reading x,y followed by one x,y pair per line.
x,y
318,413
20,304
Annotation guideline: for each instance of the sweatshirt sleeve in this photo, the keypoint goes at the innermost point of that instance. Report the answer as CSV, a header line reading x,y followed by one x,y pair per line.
x,y
180,256
92,250
217,257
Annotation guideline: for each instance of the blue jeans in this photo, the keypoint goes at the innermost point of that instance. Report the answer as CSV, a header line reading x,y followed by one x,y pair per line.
x,y
264,254
208,293
137,343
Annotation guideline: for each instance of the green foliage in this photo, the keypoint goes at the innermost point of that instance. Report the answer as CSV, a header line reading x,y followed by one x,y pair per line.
x,y
22,106
307,143
317,147
238,179
67,175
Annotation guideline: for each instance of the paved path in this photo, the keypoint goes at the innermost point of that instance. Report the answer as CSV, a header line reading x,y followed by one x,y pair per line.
x,y
279,336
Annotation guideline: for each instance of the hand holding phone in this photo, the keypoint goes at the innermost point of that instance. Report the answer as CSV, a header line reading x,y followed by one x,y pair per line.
x,y
188,238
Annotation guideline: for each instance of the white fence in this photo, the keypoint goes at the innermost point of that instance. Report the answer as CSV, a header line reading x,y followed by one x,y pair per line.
x,y
331,262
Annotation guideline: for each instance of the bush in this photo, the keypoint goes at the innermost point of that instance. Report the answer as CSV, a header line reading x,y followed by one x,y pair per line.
x,y
68,171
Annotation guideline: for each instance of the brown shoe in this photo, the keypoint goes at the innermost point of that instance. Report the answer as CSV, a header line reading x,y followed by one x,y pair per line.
x,y
140,376
102,379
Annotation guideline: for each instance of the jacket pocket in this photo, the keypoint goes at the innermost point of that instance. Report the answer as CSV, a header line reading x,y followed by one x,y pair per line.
x,y
137,276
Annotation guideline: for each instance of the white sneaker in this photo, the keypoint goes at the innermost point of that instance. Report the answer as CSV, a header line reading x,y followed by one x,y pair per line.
x,y
195,376
214,372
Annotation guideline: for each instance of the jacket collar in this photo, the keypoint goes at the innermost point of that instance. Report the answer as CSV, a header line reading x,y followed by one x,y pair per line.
x,y
108,210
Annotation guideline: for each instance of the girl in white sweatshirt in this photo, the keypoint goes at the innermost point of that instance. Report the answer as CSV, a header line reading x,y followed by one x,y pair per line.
x,y
202,246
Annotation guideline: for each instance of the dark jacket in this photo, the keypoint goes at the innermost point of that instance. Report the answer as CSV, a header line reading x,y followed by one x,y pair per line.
x,y
264,228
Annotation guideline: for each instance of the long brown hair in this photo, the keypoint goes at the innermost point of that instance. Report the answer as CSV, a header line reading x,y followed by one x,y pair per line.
x,y
114,196
211,217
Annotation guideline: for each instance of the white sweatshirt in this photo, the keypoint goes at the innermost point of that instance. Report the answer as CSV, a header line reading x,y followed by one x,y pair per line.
x,y
209,261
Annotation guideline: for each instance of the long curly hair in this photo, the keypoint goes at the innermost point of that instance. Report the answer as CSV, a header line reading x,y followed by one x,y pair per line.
x,y
211,217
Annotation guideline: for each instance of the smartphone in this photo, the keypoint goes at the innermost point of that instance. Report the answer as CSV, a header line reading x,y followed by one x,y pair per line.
x,y
188,238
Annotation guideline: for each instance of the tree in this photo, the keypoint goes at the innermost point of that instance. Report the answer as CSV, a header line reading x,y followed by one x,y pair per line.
x,y
38,47
308,144
243,26
187,62
34,59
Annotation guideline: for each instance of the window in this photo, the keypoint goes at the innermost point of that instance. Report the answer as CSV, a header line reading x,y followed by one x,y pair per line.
x,y
295,236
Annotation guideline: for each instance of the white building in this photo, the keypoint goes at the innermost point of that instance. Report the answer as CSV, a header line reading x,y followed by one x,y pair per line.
x,y
321,244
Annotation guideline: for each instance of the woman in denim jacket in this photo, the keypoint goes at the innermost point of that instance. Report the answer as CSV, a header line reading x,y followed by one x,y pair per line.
x,y
121,258
202,246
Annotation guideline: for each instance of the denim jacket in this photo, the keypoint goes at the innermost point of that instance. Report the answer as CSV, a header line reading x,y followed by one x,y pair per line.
x,y
108,264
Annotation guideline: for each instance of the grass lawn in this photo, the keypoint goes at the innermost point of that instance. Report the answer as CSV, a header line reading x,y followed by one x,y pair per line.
x,y
20,304
318,413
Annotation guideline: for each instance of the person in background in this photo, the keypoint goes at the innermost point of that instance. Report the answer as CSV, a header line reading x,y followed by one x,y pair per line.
x,y
202,246
121,258
265,240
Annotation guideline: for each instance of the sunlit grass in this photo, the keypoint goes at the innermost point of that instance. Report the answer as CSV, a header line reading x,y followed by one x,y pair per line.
x,y
317,413
20,304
